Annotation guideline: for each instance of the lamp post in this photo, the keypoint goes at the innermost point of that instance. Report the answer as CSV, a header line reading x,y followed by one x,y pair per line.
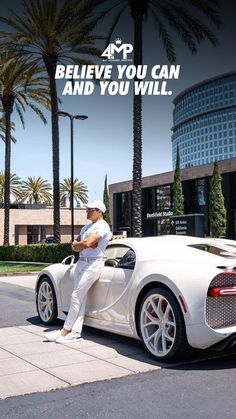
x,y
72,117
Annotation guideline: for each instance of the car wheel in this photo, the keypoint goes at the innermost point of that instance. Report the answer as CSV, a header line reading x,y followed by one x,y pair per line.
x,y
46,301
161,325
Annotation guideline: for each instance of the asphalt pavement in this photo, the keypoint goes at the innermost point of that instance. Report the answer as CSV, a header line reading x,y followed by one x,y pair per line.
x,y
197,390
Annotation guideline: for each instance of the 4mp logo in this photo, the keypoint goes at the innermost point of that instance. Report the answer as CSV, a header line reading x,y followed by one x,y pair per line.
x,y
117,47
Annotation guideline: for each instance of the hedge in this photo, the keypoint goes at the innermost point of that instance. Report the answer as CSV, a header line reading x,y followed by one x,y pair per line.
x,y
51,253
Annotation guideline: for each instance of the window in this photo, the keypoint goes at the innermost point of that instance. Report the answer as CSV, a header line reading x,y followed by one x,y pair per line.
x,y
32,234
115,251
128,260
212,249
123,254
124,210
163,226
163,197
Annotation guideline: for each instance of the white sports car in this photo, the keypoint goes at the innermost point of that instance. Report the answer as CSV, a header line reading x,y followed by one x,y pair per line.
x,y
168,291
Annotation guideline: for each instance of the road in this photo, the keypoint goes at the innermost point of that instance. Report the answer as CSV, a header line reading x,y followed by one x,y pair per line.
x,y
193,389
204,390
17,305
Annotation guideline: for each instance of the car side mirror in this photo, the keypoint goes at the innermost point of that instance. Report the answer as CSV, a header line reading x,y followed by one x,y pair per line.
x,y
111,262
69,260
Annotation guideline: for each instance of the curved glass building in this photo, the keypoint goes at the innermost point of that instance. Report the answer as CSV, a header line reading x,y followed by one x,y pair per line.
x,y
205,122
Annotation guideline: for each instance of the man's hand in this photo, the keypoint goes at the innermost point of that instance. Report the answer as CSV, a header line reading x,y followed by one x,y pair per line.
x,y
73,245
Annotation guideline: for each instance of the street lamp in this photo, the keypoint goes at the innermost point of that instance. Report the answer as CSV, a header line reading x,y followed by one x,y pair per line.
x,y
72,117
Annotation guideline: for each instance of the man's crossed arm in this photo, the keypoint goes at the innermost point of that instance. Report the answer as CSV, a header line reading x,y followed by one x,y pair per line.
x,y
90,242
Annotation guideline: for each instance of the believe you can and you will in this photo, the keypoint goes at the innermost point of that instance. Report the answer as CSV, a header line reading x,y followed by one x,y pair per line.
x,y
80,79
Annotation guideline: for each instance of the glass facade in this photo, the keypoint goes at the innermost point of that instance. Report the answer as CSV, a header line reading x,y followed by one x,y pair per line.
x,y
205,122
163,197
157,205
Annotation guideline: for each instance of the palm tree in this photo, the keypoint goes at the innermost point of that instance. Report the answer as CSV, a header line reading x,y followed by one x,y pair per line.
x,y
51,32
15,183
21,86
35,191
3,127
169,17
80,192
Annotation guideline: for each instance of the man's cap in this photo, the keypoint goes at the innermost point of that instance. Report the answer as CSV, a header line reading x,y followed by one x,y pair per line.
x,y
96,204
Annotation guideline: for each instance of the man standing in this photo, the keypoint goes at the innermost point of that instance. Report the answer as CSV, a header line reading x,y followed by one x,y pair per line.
x,y
91,244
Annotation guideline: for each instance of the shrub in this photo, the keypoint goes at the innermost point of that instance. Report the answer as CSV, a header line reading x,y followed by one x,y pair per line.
x,y
217,210
51,253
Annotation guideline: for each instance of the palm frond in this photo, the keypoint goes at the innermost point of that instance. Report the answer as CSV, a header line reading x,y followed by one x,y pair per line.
x,y
165,37
80,191
114,24
198,28
208,10
20,115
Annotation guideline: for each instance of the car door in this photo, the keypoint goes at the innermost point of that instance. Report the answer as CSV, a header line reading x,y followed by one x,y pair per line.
x,y
98,293
115,309
96,296
67,286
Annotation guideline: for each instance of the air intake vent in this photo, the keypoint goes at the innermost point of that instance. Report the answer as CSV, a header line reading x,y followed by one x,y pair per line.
x,y
221,301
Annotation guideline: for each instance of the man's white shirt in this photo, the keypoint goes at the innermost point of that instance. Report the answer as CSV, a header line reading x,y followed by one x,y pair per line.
x,y
103,230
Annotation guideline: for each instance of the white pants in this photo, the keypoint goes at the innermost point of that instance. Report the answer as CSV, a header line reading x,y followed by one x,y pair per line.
x,y
86,273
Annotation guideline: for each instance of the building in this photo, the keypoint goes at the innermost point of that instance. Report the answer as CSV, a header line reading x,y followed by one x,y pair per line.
x,y
204,122
34,223
157,198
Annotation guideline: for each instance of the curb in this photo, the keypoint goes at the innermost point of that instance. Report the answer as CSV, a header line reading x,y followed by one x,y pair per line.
x,y
18,273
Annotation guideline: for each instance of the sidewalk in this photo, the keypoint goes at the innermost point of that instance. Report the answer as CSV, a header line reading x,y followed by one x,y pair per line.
x,y
31,364
28,363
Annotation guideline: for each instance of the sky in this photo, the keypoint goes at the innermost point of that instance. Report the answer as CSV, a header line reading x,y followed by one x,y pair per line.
x,y
103,142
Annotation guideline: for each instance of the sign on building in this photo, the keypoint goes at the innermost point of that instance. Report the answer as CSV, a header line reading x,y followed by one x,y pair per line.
x,y
187,225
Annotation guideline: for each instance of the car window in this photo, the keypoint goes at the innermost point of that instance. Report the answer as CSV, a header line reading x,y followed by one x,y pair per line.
x,y
128,260
231,245
203,247
115,251
210,249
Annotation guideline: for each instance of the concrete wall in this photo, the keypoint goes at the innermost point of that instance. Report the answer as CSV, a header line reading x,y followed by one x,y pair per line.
x,y
38,217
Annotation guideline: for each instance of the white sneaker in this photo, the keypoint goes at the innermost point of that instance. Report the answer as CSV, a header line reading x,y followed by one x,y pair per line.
x,y
52,336
68,338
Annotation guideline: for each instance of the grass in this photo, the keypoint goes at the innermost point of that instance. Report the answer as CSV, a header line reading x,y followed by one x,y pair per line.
x,y
14,267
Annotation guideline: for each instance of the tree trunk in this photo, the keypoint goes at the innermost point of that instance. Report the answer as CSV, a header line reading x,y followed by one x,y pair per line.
x,y
7,103
137,134
50,63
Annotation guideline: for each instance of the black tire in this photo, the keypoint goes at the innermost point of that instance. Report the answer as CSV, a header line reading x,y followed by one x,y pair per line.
x,y
50,316
168,340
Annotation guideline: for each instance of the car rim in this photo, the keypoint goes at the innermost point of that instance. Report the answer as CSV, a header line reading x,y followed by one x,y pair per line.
x,y
45,301
158,325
